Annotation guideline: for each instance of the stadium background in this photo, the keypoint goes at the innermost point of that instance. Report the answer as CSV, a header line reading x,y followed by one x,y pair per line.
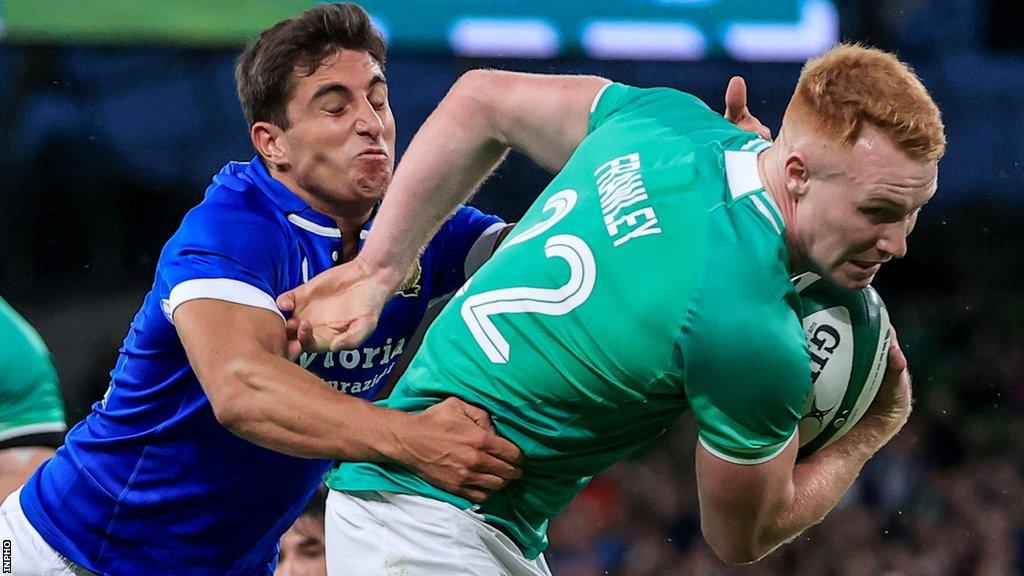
x,y
116,114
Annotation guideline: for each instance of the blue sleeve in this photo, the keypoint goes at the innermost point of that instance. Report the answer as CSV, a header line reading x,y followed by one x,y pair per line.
x,y
225,252
462,244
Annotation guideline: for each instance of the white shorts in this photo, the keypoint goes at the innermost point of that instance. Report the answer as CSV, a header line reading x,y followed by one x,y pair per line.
x,y
25,549
385,534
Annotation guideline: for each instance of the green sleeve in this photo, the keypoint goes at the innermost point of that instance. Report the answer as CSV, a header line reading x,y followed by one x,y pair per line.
x,y
746,395
744,359
685,113
31,408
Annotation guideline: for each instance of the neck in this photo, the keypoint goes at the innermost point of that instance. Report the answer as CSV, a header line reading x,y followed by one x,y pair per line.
x,y
771,167
348,215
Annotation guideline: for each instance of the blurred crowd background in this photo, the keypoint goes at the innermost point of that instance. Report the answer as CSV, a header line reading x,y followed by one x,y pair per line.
x,y
106,140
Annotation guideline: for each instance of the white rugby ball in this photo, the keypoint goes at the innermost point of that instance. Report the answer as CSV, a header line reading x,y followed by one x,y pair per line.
x,y
848,334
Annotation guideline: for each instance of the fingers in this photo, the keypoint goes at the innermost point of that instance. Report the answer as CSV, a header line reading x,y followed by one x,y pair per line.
x,y
306,337
294,349
286,301
352,335
477,415
493,444
489,476
471,493
293,333
503,449
736,110
736,99
483,486
897,362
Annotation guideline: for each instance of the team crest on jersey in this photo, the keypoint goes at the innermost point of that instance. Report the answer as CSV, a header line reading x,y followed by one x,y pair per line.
x,y
412,287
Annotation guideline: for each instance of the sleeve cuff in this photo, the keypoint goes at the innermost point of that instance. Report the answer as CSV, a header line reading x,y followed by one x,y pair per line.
x,y
746,461
597,97
225,289
9,437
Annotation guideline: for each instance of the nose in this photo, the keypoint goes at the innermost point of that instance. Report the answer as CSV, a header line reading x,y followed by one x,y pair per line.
x,y
369,122
893,240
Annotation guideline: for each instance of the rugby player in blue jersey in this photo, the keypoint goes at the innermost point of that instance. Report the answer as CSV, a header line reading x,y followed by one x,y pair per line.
x,y
210,441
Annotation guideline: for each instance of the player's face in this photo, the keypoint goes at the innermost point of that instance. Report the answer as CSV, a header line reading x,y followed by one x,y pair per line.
x,y
341,142
302,549
858,207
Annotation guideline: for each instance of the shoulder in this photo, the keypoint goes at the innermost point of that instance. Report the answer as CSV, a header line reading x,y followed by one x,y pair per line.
x,y
744,330
30,401
746,366
235,236
231,220
464,242
622,102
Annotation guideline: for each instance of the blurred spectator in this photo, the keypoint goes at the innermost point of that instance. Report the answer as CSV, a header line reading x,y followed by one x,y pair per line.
x,y
302,546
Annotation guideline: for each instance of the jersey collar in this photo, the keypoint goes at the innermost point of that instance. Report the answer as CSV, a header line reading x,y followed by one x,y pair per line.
x,y
741,168
299,212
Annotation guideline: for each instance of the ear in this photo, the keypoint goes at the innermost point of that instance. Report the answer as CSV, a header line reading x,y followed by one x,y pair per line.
x,y
271,143
796,174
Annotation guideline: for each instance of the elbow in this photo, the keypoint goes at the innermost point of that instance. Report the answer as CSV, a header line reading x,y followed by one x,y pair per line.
x,y
735,552
475,100
743,546
232,399
474,84
470,91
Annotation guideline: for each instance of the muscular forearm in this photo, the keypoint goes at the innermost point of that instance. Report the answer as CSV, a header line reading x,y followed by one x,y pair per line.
x,y
454,150
821,479
278,405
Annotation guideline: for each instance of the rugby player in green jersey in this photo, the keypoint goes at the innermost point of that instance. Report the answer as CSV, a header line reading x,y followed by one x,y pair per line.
x,y
31,409
650,277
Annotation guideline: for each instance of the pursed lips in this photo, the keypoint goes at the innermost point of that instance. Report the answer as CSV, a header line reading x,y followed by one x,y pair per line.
x,y
373,153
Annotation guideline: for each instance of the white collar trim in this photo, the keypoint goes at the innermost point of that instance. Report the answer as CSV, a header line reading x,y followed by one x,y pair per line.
x,y
741,172
314,227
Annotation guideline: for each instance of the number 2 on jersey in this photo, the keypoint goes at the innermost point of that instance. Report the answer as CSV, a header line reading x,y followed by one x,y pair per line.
x,y
478,309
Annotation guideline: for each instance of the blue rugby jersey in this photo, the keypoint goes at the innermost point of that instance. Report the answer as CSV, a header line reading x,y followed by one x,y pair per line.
x,y
150,483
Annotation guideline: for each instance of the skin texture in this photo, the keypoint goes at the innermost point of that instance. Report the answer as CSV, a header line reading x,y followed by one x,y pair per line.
x,y
17,464
842,206
848,209
338,154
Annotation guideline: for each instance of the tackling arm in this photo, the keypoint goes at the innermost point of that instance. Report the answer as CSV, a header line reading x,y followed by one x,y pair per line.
x,y
238,355
484,115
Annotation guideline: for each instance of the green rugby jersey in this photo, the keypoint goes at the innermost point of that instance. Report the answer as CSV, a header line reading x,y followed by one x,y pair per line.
x,y
649,277
31,409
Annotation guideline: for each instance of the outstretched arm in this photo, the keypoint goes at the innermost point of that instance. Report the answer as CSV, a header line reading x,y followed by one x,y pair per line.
x,y
237,353
484,115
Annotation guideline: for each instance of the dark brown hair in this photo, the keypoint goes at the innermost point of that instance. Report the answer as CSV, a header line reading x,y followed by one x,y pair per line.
x,y
264,70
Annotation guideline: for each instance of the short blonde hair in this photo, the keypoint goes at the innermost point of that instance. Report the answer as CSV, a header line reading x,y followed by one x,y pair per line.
x,y
851,85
